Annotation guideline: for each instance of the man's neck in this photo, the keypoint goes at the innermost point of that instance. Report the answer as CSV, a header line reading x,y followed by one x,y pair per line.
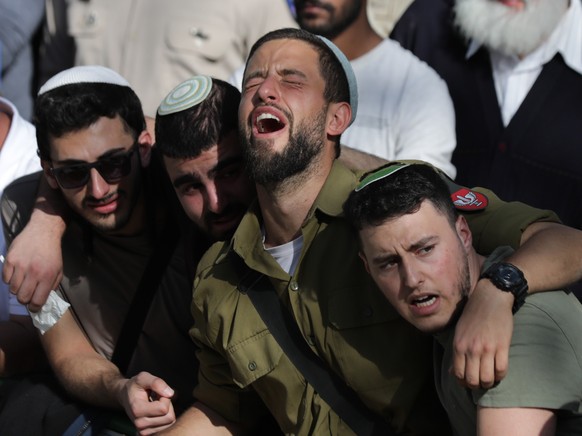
x,y
358,39
284,208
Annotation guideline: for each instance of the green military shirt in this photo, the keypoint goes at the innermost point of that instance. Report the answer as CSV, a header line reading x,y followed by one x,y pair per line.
x,y
342,315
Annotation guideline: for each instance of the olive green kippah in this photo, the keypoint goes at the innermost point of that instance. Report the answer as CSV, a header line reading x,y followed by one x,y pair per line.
x,y
186,95
380,173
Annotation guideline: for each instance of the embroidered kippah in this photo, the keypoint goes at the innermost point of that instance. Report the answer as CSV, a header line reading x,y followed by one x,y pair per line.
x,y
349,72
83,74
186,95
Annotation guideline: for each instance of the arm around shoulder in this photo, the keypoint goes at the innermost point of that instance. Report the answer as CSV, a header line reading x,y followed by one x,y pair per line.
x,y
34,261
550,256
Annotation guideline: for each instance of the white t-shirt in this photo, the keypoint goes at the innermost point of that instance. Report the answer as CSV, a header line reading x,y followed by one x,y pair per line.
x,y
405,110
17,158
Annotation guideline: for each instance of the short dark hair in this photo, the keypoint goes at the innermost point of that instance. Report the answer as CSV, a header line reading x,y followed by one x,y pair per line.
x,y
399,194
73,107
336,83
188,133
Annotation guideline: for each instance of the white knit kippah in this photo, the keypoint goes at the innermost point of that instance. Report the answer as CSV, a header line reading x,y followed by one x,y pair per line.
x,y
186,95
83,74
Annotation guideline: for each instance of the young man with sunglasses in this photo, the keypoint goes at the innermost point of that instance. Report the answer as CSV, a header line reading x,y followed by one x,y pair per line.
x,y
418,249
96,151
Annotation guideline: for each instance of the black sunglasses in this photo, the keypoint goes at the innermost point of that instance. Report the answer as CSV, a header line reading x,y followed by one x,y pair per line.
x,y
112,169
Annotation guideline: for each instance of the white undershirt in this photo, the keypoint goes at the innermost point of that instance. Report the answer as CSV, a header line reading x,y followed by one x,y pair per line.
x,y
514,78
287,255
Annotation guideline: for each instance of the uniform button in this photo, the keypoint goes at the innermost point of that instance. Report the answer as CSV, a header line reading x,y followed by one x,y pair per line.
x,y
252,366
502,147
294,286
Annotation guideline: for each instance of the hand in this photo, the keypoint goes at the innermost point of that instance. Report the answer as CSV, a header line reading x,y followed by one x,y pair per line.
x,y
33,266
147,401
483,336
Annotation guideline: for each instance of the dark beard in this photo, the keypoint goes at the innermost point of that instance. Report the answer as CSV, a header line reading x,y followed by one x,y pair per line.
x,y
337,24
271,169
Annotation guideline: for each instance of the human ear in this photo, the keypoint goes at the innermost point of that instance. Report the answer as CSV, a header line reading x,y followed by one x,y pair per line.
x,y
52,182
464,232
145,143
363,257
339,117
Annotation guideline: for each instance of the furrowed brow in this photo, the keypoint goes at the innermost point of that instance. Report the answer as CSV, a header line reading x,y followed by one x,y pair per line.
x,y
384,258
423,243
185,179
292,72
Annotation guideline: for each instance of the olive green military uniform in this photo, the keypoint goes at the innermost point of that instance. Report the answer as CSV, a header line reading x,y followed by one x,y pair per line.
x,y
342,315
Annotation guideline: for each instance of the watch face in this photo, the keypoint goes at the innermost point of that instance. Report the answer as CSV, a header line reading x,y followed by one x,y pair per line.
x,y
509,278
509,275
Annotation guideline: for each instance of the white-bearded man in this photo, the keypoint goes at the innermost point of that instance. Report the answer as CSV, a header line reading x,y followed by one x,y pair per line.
x,y
514,71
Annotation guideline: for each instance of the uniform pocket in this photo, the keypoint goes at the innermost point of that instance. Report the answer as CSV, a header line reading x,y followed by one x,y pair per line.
x,y
253,358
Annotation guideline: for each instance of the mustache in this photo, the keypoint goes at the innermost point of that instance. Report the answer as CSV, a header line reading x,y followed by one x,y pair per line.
x,y
104,200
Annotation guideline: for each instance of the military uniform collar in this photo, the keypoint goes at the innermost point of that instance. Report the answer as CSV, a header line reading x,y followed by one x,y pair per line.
x,y
338,185
247,240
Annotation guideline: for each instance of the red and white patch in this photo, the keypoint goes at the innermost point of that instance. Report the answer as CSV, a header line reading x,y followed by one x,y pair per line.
x,y
467,200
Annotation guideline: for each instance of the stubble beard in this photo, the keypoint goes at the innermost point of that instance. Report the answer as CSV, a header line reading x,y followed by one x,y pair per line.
x,y
463,290
509,32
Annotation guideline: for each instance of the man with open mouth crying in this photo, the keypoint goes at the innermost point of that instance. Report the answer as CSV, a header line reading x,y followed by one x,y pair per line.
x,y
299,96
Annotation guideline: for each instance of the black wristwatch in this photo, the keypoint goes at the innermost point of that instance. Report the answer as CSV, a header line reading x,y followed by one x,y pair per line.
x,y
508,278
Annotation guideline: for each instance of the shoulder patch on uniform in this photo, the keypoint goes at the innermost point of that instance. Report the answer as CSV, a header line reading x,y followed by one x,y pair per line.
x,y
468,200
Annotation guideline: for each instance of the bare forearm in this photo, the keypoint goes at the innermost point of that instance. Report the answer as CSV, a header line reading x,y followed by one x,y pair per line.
x,y
34,263
550,256
199,420
92,379
50,205
515,422
359,160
